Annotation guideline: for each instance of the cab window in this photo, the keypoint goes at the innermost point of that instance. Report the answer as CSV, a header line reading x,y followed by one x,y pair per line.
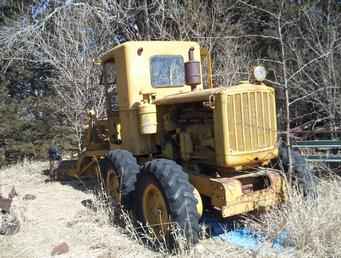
x,y
109,80
167,71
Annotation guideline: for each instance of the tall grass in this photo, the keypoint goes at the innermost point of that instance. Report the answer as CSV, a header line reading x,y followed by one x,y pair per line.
x,y
312,223
142,234
145,236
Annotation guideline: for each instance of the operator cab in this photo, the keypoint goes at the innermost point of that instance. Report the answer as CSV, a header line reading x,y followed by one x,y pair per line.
x,y
138,73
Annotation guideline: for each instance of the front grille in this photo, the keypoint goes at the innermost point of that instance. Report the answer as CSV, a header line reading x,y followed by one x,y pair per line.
x,y
251,121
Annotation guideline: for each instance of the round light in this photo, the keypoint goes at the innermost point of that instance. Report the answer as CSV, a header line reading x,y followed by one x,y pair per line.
x,y
260,73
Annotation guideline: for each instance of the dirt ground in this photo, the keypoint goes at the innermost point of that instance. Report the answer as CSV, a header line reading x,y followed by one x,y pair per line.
x,y
57,215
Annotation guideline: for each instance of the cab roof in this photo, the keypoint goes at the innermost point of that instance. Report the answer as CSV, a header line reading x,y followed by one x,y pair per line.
x,y
109,55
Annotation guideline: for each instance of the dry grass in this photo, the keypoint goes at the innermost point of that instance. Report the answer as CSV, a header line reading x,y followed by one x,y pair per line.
x,y
313,223
57,215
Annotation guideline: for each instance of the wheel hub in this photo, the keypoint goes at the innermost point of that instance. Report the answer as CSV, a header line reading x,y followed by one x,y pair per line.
x,y
155,209
113,186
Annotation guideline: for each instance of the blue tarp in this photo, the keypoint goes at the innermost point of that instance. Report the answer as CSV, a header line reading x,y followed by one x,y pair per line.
x,y
242,237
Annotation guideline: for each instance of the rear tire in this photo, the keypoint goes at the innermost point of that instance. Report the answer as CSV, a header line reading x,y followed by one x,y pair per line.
x,y
122,165
169,179
303,177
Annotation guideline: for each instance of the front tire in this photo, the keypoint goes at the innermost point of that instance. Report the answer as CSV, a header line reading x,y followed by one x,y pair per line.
x,y
120,170
164,195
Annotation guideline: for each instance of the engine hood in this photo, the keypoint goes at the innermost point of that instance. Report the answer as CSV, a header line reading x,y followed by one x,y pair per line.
x,y
204,95
193,96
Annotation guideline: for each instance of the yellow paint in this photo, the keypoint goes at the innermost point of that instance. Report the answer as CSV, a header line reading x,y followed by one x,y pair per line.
x,y
243,135
245,126
147,118
200,206
205,54
113,186
132,60
155,210
226,193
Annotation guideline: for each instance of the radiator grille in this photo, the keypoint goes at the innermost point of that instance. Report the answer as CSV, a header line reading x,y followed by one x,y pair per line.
x,y
251,121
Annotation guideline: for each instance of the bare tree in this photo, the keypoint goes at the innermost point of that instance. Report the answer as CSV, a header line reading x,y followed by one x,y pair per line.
x,y
70,35
302,54
68,38
307,42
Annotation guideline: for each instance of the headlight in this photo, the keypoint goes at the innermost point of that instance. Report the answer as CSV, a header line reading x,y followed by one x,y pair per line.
x,y
260,73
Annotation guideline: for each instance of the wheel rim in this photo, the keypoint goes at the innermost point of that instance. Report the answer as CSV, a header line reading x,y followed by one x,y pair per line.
x,y
113,186
155,210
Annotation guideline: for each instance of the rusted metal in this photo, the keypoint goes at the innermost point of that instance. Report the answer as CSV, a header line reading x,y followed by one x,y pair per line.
x,y
192,70
5,204
62,248
29,197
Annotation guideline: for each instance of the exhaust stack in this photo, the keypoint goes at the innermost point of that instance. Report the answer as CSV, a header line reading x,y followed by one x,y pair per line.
x,y
192,70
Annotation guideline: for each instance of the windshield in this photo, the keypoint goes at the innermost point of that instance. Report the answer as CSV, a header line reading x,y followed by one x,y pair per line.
x,y
167,71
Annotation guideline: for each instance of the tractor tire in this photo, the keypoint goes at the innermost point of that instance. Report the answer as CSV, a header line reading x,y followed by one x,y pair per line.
x,y
165,193
123,165
302,175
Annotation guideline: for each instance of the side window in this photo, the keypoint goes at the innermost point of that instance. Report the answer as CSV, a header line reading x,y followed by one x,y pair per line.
x,y
109,80
109,73
167,71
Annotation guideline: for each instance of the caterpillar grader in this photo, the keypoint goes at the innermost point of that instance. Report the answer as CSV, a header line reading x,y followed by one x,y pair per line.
x,y
172,146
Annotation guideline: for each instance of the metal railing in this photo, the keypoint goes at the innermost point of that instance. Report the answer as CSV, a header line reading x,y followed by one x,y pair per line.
x,y
319,151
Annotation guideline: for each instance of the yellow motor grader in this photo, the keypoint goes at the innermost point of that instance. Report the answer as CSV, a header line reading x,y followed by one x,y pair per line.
x,y
172,146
